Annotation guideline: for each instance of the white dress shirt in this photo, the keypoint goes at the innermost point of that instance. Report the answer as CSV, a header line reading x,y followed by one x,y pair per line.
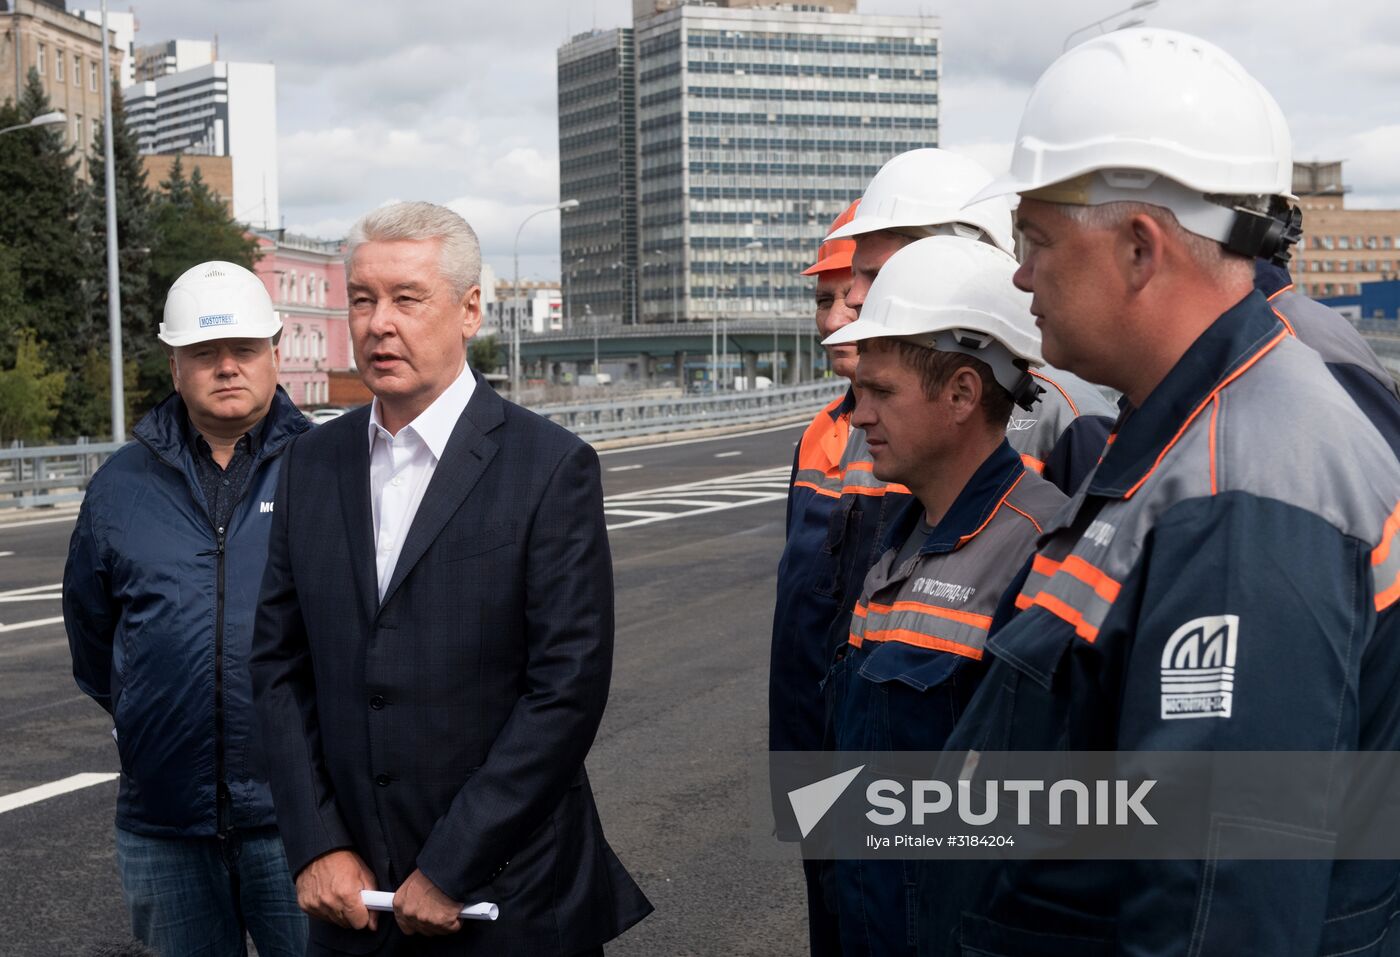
x,y
400,467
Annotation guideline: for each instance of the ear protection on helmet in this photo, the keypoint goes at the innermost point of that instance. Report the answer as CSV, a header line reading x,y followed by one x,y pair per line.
x,y
1268,235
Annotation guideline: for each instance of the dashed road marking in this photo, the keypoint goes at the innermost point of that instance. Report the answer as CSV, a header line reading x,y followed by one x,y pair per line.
x,y
624,468
53,789
37,623
696,498
725,455
5,526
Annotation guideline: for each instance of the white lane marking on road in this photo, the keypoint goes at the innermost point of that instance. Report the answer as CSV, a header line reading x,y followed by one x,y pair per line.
x,y
726,455
56,586
624,468
37,623
6,554
8,599
698,498
53,789
5,526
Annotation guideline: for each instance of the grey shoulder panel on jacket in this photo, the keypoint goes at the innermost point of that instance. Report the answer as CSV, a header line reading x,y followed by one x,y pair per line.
x,y
1288,431
1037,499
1330,335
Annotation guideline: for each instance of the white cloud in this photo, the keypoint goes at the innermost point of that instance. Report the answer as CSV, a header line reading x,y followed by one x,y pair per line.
x,y
455,102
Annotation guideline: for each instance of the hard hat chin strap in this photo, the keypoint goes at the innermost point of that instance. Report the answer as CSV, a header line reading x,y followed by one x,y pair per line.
x,y
1010,372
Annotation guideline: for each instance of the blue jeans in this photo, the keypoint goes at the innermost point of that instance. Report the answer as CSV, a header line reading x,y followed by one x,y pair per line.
x,y
196,897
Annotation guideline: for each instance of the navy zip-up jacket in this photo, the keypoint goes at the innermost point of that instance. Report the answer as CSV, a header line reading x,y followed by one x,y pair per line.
x,y
160,621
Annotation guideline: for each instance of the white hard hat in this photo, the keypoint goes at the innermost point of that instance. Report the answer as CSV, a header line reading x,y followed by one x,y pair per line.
x,y
217,300
1152,116
931,187
954,294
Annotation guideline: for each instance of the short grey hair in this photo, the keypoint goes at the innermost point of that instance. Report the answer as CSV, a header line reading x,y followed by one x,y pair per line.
x,y
1213,258
461,253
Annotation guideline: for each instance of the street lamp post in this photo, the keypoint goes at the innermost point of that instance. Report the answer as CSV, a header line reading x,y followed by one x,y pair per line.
x,y
675,285
114,292
1136,21
719,307
588,311
563,207
53,118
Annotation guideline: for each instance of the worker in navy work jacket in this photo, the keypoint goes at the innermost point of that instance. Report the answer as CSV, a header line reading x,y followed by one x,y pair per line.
x,y
1153,171
946,348
810,580
159,594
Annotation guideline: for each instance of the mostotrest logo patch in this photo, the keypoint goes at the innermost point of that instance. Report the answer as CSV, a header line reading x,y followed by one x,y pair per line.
x,y
218,319
1198,669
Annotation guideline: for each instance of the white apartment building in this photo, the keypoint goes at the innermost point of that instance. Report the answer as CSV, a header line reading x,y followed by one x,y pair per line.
x,y
220,109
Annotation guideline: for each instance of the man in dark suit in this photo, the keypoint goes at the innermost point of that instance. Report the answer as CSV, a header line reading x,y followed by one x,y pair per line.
x,y
434,639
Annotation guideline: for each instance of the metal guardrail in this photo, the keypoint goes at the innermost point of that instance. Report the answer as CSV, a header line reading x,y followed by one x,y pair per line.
x,y
49,475
625,418
59,474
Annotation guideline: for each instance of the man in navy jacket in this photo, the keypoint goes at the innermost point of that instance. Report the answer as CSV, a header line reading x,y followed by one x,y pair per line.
x,y
158,598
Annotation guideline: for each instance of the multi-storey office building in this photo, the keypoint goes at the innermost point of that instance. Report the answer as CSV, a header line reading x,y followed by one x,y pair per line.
x,y
755,123
1342,249
756,127
221,109
155,60
598,167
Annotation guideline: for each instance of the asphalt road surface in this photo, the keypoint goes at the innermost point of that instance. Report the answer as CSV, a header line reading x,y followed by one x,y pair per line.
x,y
696,529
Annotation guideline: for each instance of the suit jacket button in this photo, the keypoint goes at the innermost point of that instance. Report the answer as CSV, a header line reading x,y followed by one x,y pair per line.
x,y
382,780
377,702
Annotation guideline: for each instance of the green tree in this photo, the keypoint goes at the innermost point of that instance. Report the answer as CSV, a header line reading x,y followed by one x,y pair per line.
x,y
30,393
85,408
485,354
86,405
39,202
11,303
192,225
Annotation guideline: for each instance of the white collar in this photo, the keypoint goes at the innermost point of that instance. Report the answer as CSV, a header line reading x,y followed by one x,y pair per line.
x,y
434,424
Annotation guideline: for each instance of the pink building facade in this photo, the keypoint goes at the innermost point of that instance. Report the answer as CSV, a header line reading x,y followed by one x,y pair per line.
x,y
306,279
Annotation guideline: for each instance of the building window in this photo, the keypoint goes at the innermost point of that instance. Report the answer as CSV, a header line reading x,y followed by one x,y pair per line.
x,y
41,62
1343,242
1328,243
92,75
58,65
77,70
96,130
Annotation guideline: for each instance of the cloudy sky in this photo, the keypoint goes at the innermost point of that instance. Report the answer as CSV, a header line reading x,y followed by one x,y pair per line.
x,y
454,102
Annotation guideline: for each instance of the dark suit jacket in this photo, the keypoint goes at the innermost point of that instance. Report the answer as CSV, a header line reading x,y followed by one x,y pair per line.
x,y
446,727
